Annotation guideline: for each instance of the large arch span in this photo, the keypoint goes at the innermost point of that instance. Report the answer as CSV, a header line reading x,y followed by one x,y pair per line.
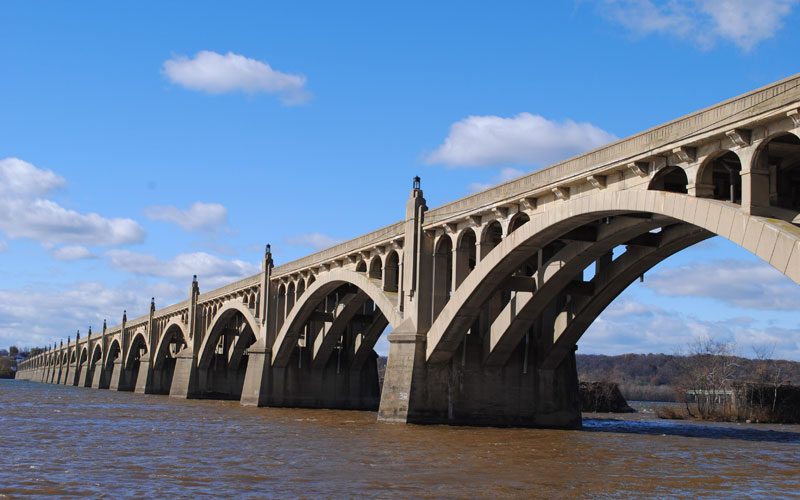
x,y
771,239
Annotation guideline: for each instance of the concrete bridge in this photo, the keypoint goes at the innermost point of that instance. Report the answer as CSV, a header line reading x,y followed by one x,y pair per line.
x,y
486,297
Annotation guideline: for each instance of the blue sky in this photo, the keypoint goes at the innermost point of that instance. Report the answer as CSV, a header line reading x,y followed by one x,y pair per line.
x,y
141,143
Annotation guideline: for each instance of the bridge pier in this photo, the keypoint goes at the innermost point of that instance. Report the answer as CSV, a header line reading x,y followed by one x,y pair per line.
x,y
97,374
116,377
255,390
87,376
464,391
184,378
143,378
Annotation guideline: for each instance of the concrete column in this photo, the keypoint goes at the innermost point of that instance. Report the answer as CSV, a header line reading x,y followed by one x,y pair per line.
x,y
185,376
405,368
255,390
755,181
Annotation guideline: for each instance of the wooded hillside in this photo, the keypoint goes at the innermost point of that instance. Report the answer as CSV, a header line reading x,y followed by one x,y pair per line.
x,y
665,369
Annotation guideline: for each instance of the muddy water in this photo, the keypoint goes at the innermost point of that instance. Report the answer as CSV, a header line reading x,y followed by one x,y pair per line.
x,y
72,441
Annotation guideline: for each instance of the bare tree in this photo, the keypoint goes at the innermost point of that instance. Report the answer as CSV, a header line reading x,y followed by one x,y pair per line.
x,y
708,371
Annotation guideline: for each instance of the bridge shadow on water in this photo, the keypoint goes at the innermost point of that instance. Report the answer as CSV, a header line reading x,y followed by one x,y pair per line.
x,y
691,430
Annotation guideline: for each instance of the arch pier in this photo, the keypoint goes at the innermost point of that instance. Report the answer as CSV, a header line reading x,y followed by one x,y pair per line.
x,y
483,300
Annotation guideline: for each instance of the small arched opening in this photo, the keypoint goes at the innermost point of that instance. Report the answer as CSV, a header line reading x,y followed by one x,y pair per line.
x,y
442,274
281,307
720,178
376,268
466,255
780,157
517,221
491,236
671,178
290,296
391,281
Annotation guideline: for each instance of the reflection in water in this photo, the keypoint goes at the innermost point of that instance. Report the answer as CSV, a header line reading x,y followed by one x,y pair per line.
x,y
87,442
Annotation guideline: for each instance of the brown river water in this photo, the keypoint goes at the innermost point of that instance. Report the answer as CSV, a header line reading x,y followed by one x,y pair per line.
x,y
69,441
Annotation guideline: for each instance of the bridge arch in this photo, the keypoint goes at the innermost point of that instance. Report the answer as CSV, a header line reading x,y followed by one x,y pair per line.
x,y
114,351
222,360
173,340
772,240
138,346
174,332
324,285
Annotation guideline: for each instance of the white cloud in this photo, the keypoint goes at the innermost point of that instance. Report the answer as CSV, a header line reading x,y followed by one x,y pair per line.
x,y
742,22
19,178
523,139
73,252
38,315
505,175
24,213
199,216
742,284
211,271
628,326
216,74
317,241
3,246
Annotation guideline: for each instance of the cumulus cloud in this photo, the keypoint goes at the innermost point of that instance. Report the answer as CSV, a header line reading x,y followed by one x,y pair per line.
x,y
628,326
702,22
199,216
72,252
741,284
25,213
505,175
317,241
212,271
523,139
215,73
38,315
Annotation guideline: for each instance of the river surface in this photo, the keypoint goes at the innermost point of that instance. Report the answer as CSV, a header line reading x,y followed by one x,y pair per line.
x,y
72,441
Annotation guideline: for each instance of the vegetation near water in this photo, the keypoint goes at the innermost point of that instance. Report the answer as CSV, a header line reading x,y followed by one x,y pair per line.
x,y
709,379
